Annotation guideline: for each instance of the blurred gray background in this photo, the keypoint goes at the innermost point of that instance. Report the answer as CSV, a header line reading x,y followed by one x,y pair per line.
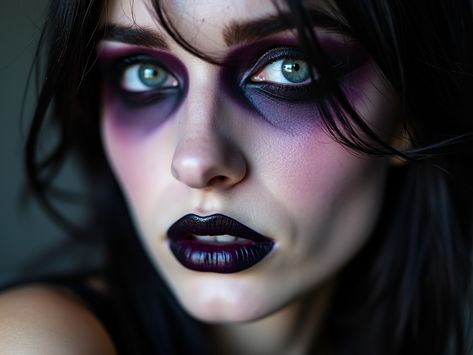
x,y
27,236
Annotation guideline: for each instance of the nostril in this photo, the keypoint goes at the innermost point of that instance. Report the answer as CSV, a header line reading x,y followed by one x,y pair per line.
x,y
217,180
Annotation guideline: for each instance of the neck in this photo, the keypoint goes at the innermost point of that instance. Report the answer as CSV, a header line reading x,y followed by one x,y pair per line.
x,y
291,330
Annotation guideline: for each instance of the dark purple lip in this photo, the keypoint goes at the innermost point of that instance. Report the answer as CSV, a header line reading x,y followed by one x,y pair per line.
x,y
213,256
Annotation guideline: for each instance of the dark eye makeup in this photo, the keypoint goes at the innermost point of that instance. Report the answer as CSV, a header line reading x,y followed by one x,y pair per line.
x,y
150,83
271,75
144,77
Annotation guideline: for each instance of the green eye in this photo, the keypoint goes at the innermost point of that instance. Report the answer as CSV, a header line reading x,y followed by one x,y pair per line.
x,y
152,75
287,71
294,70
145,76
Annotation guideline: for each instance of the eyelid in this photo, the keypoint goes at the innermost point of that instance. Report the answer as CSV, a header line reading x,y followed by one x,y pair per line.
x,y
269,57
275,70
131,81
121,65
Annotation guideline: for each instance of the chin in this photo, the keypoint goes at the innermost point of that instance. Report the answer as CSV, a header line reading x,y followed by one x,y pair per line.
x,y
224,301
223,313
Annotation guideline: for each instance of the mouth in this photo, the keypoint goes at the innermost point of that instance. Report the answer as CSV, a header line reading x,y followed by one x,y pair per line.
x,y
216,243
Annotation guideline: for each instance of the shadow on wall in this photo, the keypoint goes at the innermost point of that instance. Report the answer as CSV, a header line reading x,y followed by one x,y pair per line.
x,y
26,234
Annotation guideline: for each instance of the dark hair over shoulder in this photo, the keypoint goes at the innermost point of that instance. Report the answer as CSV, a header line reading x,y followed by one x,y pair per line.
x,y
407,291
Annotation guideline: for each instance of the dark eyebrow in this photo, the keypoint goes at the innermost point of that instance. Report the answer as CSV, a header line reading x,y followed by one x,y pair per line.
x,y
241,32
134,35
234,33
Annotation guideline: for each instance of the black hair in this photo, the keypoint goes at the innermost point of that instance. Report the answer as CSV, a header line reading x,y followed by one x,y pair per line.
x,y
409,285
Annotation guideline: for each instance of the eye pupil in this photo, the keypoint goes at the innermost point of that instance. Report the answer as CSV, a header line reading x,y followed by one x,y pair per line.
x,y
296,71
292,67
152,75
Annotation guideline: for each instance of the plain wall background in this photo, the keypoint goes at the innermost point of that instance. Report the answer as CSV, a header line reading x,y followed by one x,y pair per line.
x,y
25,231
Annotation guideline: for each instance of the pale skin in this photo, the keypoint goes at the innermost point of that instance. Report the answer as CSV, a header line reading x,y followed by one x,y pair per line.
x,y
42,320
319,210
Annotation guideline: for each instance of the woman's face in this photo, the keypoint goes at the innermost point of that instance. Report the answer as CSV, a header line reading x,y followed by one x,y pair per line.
x,y
242,200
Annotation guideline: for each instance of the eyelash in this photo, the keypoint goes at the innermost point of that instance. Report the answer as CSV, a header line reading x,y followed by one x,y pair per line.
x,y
287,92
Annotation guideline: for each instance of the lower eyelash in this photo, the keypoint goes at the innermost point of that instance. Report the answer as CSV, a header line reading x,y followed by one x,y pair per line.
x,y
145,98
306,92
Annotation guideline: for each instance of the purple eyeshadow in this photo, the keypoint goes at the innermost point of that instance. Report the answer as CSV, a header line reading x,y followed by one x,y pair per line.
x,y
285,115
141,120
300,114
286,107
290,108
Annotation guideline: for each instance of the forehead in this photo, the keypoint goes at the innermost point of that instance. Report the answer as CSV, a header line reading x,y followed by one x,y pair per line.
x,y
198,12
201,21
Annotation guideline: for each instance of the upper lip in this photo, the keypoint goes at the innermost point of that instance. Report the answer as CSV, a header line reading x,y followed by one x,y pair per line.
x,y
216,224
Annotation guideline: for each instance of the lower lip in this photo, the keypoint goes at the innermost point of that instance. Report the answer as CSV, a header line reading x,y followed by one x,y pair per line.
x,y
219,257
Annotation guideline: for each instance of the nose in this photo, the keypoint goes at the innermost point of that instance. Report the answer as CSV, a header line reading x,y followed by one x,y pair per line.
x,y
205,154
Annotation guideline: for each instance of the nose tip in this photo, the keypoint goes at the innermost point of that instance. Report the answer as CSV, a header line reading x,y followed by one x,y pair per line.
x,y
206,162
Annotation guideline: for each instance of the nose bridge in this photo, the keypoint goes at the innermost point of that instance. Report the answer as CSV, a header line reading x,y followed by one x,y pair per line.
x,y
205,153
203,94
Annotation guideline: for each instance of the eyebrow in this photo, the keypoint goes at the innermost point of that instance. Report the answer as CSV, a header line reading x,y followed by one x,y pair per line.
x,y
234,33
134,35
241,32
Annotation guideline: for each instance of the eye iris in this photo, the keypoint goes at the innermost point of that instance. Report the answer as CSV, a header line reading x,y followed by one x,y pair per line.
x,y
152,75
296,71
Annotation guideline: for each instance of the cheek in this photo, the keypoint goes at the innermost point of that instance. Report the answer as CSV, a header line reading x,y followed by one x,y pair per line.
x,y
136,160
307,167
314,172
331,196
331,200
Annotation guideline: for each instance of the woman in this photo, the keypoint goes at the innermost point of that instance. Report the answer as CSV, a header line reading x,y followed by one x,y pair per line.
x,y
296,173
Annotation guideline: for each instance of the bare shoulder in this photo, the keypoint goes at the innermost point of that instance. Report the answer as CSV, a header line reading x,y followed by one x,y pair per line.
x,y
37,319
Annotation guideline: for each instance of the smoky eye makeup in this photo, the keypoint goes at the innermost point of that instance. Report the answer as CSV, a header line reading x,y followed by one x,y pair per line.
x,y
285,73
141,77
283,87
142,86
271,77
282,73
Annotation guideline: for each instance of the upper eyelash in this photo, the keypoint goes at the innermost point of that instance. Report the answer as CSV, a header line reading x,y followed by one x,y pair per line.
x,y
121,64
274,54
340,67
137,58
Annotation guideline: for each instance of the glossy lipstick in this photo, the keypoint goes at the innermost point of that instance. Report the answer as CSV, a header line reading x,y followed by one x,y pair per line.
x,y
216,243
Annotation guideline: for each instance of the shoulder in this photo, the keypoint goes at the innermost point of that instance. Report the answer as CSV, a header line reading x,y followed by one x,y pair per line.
x,y
38,319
